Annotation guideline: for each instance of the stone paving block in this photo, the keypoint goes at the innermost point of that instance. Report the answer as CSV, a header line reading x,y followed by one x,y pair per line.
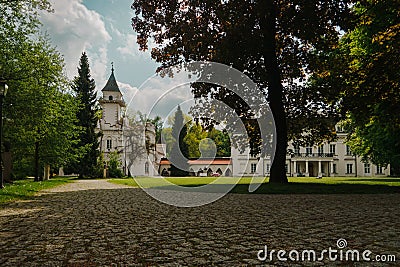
x,y
95,223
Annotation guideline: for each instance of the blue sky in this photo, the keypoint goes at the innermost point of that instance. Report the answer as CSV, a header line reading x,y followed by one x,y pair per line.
x,y
133,66
103,29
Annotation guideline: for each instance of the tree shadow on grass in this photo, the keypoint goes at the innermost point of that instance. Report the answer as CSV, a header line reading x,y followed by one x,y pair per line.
x,y
292,188
382,180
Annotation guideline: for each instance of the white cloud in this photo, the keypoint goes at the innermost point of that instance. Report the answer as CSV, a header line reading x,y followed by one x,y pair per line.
x,y
129,46
160,96
74,29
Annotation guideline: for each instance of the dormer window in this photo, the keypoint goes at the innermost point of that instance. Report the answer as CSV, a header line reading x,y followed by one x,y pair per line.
x,y
110,98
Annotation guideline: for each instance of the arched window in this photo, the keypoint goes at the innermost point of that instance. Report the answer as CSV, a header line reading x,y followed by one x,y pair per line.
x,y
110,98
109,143
228,172
146,168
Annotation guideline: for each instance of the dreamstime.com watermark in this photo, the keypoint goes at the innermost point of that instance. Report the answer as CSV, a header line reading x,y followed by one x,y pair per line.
x,y
339,253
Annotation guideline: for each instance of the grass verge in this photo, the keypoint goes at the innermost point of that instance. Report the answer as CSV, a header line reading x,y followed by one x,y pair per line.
x,y
26,189
296,185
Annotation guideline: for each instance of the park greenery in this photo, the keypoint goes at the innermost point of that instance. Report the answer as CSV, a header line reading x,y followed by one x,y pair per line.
x,y
39,111
316,62
84,91
279,45
297,185
362,74
27,188
201,142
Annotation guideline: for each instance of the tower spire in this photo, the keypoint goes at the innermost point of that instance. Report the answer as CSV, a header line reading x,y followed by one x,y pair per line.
x,y
112,84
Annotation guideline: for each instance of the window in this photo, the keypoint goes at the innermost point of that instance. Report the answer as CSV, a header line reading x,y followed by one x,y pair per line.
x,y
308,150
321,150
334,168
367,168
348,150
332,149
253,167
349,168
286,168
268,167
110,98
296,150
379,170
339,129
146,167
109,144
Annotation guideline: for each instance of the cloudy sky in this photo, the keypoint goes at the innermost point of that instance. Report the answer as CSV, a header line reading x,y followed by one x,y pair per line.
x,y
103,29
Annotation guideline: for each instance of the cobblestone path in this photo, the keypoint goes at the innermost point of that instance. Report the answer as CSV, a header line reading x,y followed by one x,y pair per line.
x,y
95,223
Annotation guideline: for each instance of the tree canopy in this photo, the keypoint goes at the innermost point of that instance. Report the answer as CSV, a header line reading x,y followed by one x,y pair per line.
x,y
39,112
85,94
273,42
364,68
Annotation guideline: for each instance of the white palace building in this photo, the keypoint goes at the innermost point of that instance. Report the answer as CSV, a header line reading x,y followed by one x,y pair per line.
x,y
327,160
330,159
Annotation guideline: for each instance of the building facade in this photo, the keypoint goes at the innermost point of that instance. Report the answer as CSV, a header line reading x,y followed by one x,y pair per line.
x,y
332,159
111,124
327,160
141,156
134,144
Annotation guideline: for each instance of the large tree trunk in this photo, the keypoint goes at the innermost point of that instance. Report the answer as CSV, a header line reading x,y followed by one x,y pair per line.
x,y
275,91
37,175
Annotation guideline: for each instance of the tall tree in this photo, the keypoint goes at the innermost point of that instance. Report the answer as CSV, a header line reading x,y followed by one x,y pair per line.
x,y
179,152
84,88
273,42
39,111
365,68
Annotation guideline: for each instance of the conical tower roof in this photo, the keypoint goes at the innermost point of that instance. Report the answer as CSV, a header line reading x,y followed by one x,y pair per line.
x,y
111,85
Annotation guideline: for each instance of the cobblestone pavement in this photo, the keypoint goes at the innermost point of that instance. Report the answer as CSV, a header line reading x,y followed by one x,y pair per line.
x,y
95,223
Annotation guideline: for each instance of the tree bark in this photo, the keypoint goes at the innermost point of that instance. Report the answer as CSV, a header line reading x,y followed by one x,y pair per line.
x,y
275,90
37,176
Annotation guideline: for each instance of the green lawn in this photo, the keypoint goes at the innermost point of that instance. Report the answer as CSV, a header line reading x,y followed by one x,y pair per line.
x,y
26,189
297,185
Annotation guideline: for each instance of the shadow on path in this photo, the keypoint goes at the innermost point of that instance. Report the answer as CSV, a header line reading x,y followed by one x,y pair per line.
x,y
101,227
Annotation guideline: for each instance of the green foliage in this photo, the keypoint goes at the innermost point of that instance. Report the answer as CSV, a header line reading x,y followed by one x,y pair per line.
x,y
37,108
363,70
205,143
179,151
273,42
26,189
85,94
168,140
114,165
200,142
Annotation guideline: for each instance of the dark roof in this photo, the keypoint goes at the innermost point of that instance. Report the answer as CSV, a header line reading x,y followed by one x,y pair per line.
x,y
111,85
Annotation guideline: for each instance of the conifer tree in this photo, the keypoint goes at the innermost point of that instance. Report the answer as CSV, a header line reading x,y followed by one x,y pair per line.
x,y
179,152
84,88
